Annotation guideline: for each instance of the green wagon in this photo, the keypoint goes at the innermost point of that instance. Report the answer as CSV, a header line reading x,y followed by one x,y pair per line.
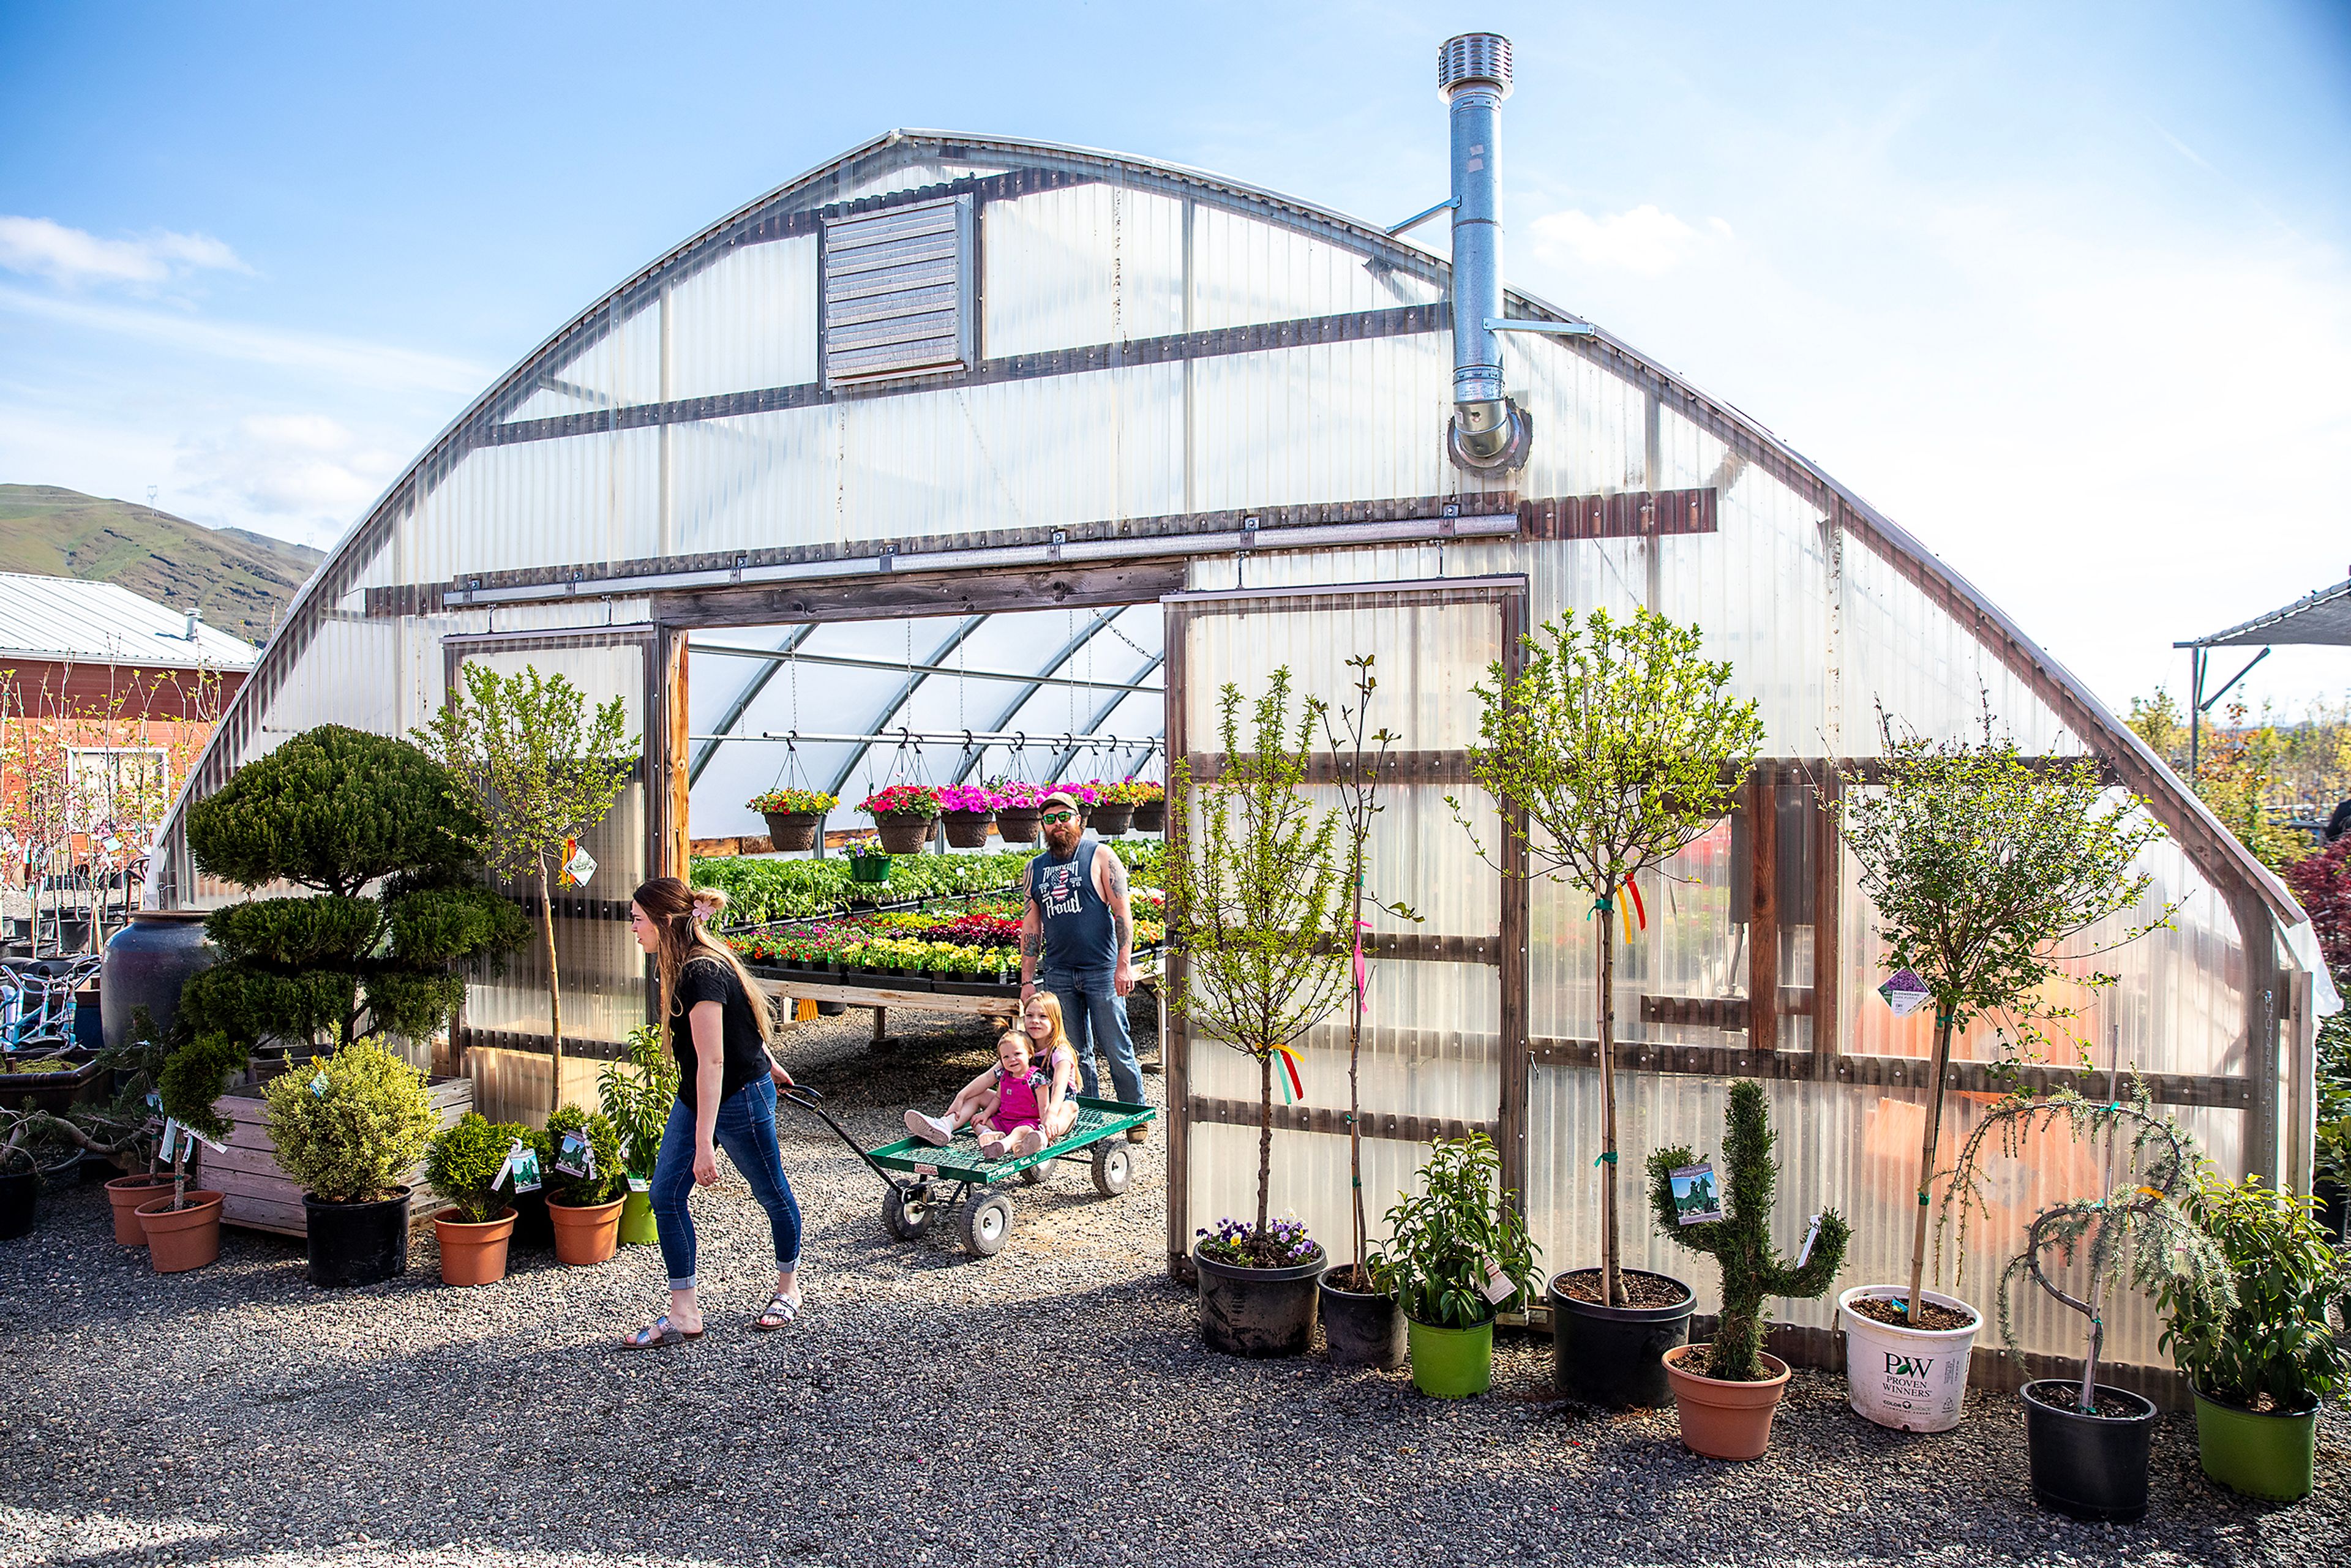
x,y
921,1182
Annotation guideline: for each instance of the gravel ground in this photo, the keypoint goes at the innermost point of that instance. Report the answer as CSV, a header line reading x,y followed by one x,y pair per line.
x,y
1052,1404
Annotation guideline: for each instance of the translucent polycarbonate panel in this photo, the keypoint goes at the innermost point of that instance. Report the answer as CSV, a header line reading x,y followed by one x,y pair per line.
x,y
1690,950
1329,422
1427,658
745,321
1431,1047
576,499
1309,1180
758,481
1761,598
1590,431
1849,1147
1246,270
913,175
1083,265
621,366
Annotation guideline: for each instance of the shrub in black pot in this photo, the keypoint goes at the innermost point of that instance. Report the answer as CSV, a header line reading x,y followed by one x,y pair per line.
x,y
348,1127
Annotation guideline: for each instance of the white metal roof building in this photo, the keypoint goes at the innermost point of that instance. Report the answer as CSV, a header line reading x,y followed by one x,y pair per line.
x,y
955,405
65,620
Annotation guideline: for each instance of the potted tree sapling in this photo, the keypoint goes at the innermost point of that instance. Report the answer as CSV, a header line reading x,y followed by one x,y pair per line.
x,y
542,771
2259,1370
1363,1321
1983,869
795,817
903,815
183,1229
469,1164
584,1180
636,1095
1456,1254
1616,740
2088,1441
1253,907
1725,1392
348,1127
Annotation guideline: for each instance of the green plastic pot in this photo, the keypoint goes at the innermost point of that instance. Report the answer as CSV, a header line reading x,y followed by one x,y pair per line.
x,y
2267,1457
637,1226
1450,1363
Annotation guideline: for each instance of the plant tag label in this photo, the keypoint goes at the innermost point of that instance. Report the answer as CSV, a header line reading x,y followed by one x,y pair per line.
x,y
1905,992
521,1165
575,1157
641,1183
1499,1287
578,868
170,1140
1805,1255
1697,1201
199,1137
319,1086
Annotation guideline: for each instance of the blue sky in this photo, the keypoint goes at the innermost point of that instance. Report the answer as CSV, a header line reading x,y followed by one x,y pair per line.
x,y
2066,289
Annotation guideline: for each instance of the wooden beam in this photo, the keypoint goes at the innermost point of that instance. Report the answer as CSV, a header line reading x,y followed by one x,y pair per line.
x,y
1828,891
1176,1039
1512,1115
1333,1121
1762,802
895,595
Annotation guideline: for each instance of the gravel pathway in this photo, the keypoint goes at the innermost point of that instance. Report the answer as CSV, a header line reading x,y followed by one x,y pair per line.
x,y
1052,1404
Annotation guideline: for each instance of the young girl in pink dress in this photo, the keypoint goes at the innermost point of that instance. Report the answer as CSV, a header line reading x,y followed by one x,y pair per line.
x,y
1007,1106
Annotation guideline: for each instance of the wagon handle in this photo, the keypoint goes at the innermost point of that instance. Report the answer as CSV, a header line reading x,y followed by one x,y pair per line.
x,y
806,1098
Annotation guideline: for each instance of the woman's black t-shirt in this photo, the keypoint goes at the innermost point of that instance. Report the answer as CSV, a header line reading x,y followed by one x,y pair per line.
x,y
706,980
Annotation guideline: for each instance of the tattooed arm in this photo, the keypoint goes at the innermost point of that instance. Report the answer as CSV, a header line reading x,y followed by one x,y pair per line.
x,y
1032,935
1110,881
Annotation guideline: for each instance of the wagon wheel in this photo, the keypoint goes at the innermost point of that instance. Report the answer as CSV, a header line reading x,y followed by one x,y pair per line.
x,y
1109,1169
907,1216
986,1222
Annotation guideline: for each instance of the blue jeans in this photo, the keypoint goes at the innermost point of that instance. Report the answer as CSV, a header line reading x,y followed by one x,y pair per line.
x,y
747,1130
1092,1011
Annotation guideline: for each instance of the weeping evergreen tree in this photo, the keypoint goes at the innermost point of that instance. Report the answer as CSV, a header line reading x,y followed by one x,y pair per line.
x,y
372,826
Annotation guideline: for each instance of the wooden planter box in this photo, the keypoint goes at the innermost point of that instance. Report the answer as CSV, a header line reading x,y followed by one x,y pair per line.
x,y
258,1196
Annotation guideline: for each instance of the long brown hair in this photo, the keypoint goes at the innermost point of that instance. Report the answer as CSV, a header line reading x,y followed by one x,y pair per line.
x,y
669,904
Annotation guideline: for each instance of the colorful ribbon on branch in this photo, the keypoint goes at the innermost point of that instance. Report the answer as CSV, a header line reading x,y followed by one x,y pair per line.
x,y
1629,910
1363,974
1293,1087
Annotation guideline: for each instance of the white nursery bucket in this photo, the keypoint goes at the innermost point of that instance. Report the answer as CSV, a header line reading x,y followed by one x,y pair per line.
x,y
1913,1380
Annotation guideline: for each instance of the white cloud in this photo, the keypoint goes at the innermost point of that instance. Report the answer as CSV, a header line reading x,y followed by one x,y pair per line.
x,y
1647,240
307,475
41,247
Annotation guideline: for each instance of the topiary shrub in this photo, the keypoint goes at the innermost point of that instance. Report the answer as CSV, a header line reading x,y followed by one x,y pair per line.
x,y
463,1161
340,811
1741,1241
581,1191
349,1126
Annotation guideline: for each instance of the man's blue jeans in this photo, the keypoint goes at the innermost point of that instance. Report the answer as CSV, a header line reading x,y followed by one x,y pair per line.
x,y
747,1130
1095,1013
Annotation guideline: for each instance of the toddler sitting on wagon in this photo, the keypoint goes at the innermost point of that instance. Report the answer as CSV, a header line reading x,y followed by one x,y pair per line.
x,y
1007,1111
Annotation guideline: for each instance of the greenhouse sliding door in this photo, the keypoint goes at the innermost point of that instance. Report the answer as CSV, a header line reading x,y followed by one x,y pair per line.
x,y
1444,1024
502,1034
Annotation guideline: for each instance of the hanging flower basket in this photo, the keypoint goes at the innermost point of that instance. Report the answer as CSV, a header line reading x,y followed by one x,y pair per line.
x,y
1018,813
794,816
968,809
902,814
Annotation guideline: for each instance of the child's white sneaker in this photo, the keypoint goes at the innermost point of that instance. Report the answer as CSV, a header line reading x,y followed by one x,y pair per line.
x,y
933,1130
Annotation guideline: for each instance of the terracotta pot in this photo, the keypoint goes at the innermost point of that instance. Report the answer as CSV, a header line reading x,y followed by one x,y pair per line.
x,y
1724,1420
127,1193
902,835
967,829
178,1239
473,1254
587,1235
793,829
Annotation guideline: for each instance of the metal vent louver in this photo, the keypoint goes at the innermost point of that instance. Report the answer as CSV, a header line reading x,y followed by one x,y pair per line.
x,y
897,292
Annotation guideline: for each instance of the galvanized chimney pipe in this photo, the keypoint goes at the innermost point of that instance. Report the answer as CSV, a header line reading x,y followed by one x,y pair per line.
x,y
1489,431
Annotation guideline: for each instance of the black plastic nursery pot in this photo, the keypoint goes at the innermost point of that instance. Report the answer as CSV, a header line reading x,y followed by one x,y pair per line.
x,y
1257,1313
20,1202
1615,1356
2087,1467
532,1227
1360,1328
355,1243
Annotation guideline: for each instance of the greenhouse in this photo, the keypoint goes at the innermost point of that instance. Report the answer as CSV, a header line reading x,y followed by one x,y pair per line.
x,y
958,459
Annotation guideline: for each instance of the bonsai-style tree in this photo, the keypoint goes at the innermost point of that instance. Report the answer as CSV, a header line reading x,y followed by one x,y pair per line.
x,y
1981,867
1618,741
542,772
1362,753
1741,1241
341,812
2137,1232
349,1126
1254,902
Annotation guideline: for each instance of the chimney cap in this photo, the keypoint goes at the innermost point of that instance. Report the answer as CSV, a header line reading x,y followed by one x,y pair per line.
x,y
1470,57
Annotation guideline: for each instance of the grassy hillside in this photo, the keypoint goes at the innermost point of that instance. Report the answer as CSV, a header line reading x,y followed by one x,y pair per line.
x,y
242,580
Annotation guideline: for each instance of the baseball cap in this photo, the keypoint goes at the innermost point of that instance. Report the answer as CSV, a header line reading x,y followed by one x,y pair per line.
x,y
1061,798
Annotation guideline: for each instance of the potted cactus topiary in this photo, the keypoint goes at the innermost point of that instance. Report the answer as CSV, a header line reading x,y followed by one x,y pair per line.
x,y
1726,1391
795,817
348,1127
636,1095
1456,1254
2259,1370
466,1163
584,1178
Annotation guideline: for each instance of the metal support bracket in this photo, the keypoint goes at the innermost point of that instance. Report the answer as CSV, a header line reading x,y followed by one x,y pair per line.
x,y
1417,219
1555,328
